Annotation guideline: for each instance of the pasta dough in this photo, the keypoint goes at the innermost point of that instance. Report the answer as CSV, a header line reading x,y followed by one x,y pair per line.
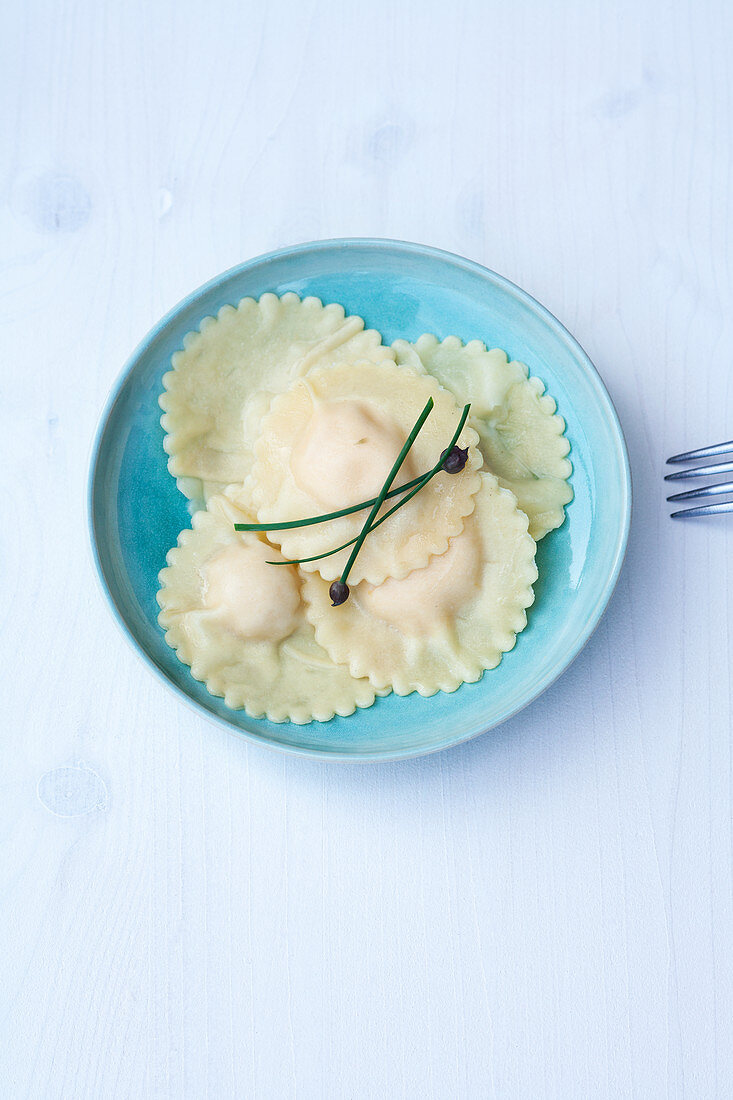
x,y
282,409
240,624
224,378
330,442
522,438
445,623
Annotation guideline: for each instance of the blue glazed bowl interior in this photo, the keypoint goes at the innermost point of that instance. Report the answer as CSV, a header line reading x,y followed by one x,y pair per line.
x,y
402,290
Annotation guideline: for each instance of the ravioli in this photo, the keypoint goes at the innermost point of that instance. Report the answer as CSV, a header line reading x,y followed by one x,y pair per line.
x,y
329,443
446,623
522,438
240,624
282,409
223,380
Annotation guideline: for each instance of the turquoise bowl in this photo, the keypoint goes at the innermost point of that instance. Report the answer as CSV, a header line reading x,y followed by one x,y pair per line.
x,y
136,511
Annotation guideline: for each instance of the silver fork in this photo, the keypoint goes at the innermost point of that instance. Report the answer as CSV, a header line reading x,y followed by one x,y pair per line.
x,y
718,489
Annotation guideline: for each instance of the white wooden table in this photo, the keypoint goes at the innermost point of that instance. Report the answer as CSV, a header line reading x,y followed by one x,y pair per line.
x,y
544,912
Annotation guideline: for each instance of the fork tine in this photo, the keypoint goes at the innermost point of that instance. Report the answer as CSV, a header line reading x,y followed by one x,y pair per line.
x,y
705,510
701,471
705,491
704,452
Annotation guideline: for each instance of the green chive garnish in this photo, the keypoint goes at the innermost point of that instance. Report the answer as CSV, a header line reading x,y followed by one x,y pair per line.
x,y
339,590
317,557
290,524
421,482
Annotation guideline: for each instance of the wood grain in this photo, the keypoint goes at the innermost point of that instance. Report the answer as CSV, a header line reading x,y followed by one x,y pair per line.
x,y
545,912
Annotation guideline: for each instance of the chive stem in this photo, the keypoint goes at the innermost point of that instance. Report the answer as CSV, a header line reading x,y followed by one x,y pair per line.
x,y
292,523
317,557
421,482
386,487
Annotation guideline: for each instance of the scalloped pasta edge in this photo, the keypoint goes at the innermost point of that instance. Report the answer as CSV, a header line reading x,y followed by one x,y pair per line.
x,y
473,666
553,517
362,693
174,415
454,522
